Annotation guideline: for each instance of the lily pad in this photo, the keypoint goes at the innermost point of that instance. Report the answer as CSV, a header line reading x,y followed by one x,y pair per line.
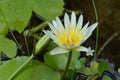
x,y
43,72
18,12
9,67
56,61
59,61
7,46
103,66
106,78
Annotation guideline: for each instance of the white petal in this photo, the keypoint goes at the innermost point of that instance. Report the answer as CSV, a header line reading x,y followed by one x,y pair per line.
x,y
85,27
59,50
55,25
53,28
90,30
59,23
73,19
80,22
92,27
52,36
89,54
66,21
81,48
84,32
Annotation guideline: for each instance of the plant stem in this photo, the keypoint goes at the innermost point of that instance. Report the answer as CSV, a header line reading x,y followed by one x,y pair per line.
x,y
96,15
26,43
35,29
23,65
39,27
93,77
67,65
107,42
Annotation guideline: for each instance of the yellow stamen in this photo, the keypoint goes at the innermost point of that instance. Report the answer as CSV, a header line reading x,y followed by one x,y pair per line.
x,y
70,36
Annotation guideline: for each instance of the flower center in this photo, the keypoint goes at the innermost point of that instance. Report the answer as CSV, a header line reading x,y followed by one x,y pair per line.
x,y
70,37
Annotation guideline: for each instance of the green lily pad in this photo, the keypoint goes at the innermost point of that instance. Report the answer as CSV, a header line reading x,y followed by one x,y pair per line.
x,y
7,46
56,61
103,66
9,67
105,77
43,72
18,12
3,28
59,61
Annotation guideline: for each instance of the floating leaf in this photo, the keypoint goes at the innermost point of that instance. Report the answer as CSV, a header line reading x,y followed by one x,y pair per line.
x,y
26,72
82,60
105,77
60,60
3,24
80,67
7,46
69,75
75,54
17,12
93,68
56,61
9,67
43,72
102,67
87,70
3,28
51,46
75,62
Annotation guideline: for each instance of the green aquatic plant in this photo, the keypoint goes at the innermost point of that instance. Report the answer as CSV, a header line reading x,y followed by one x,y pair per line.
x,y
67,38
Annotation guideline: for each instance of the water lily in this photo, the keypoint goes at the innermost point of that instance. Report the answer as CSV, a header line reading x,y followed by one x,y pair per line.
x,y
71,35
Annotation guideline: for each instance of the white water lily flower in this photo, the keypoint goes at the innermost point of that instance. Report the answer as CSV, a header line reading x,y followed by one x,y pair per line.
x,y
89,52
71,35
